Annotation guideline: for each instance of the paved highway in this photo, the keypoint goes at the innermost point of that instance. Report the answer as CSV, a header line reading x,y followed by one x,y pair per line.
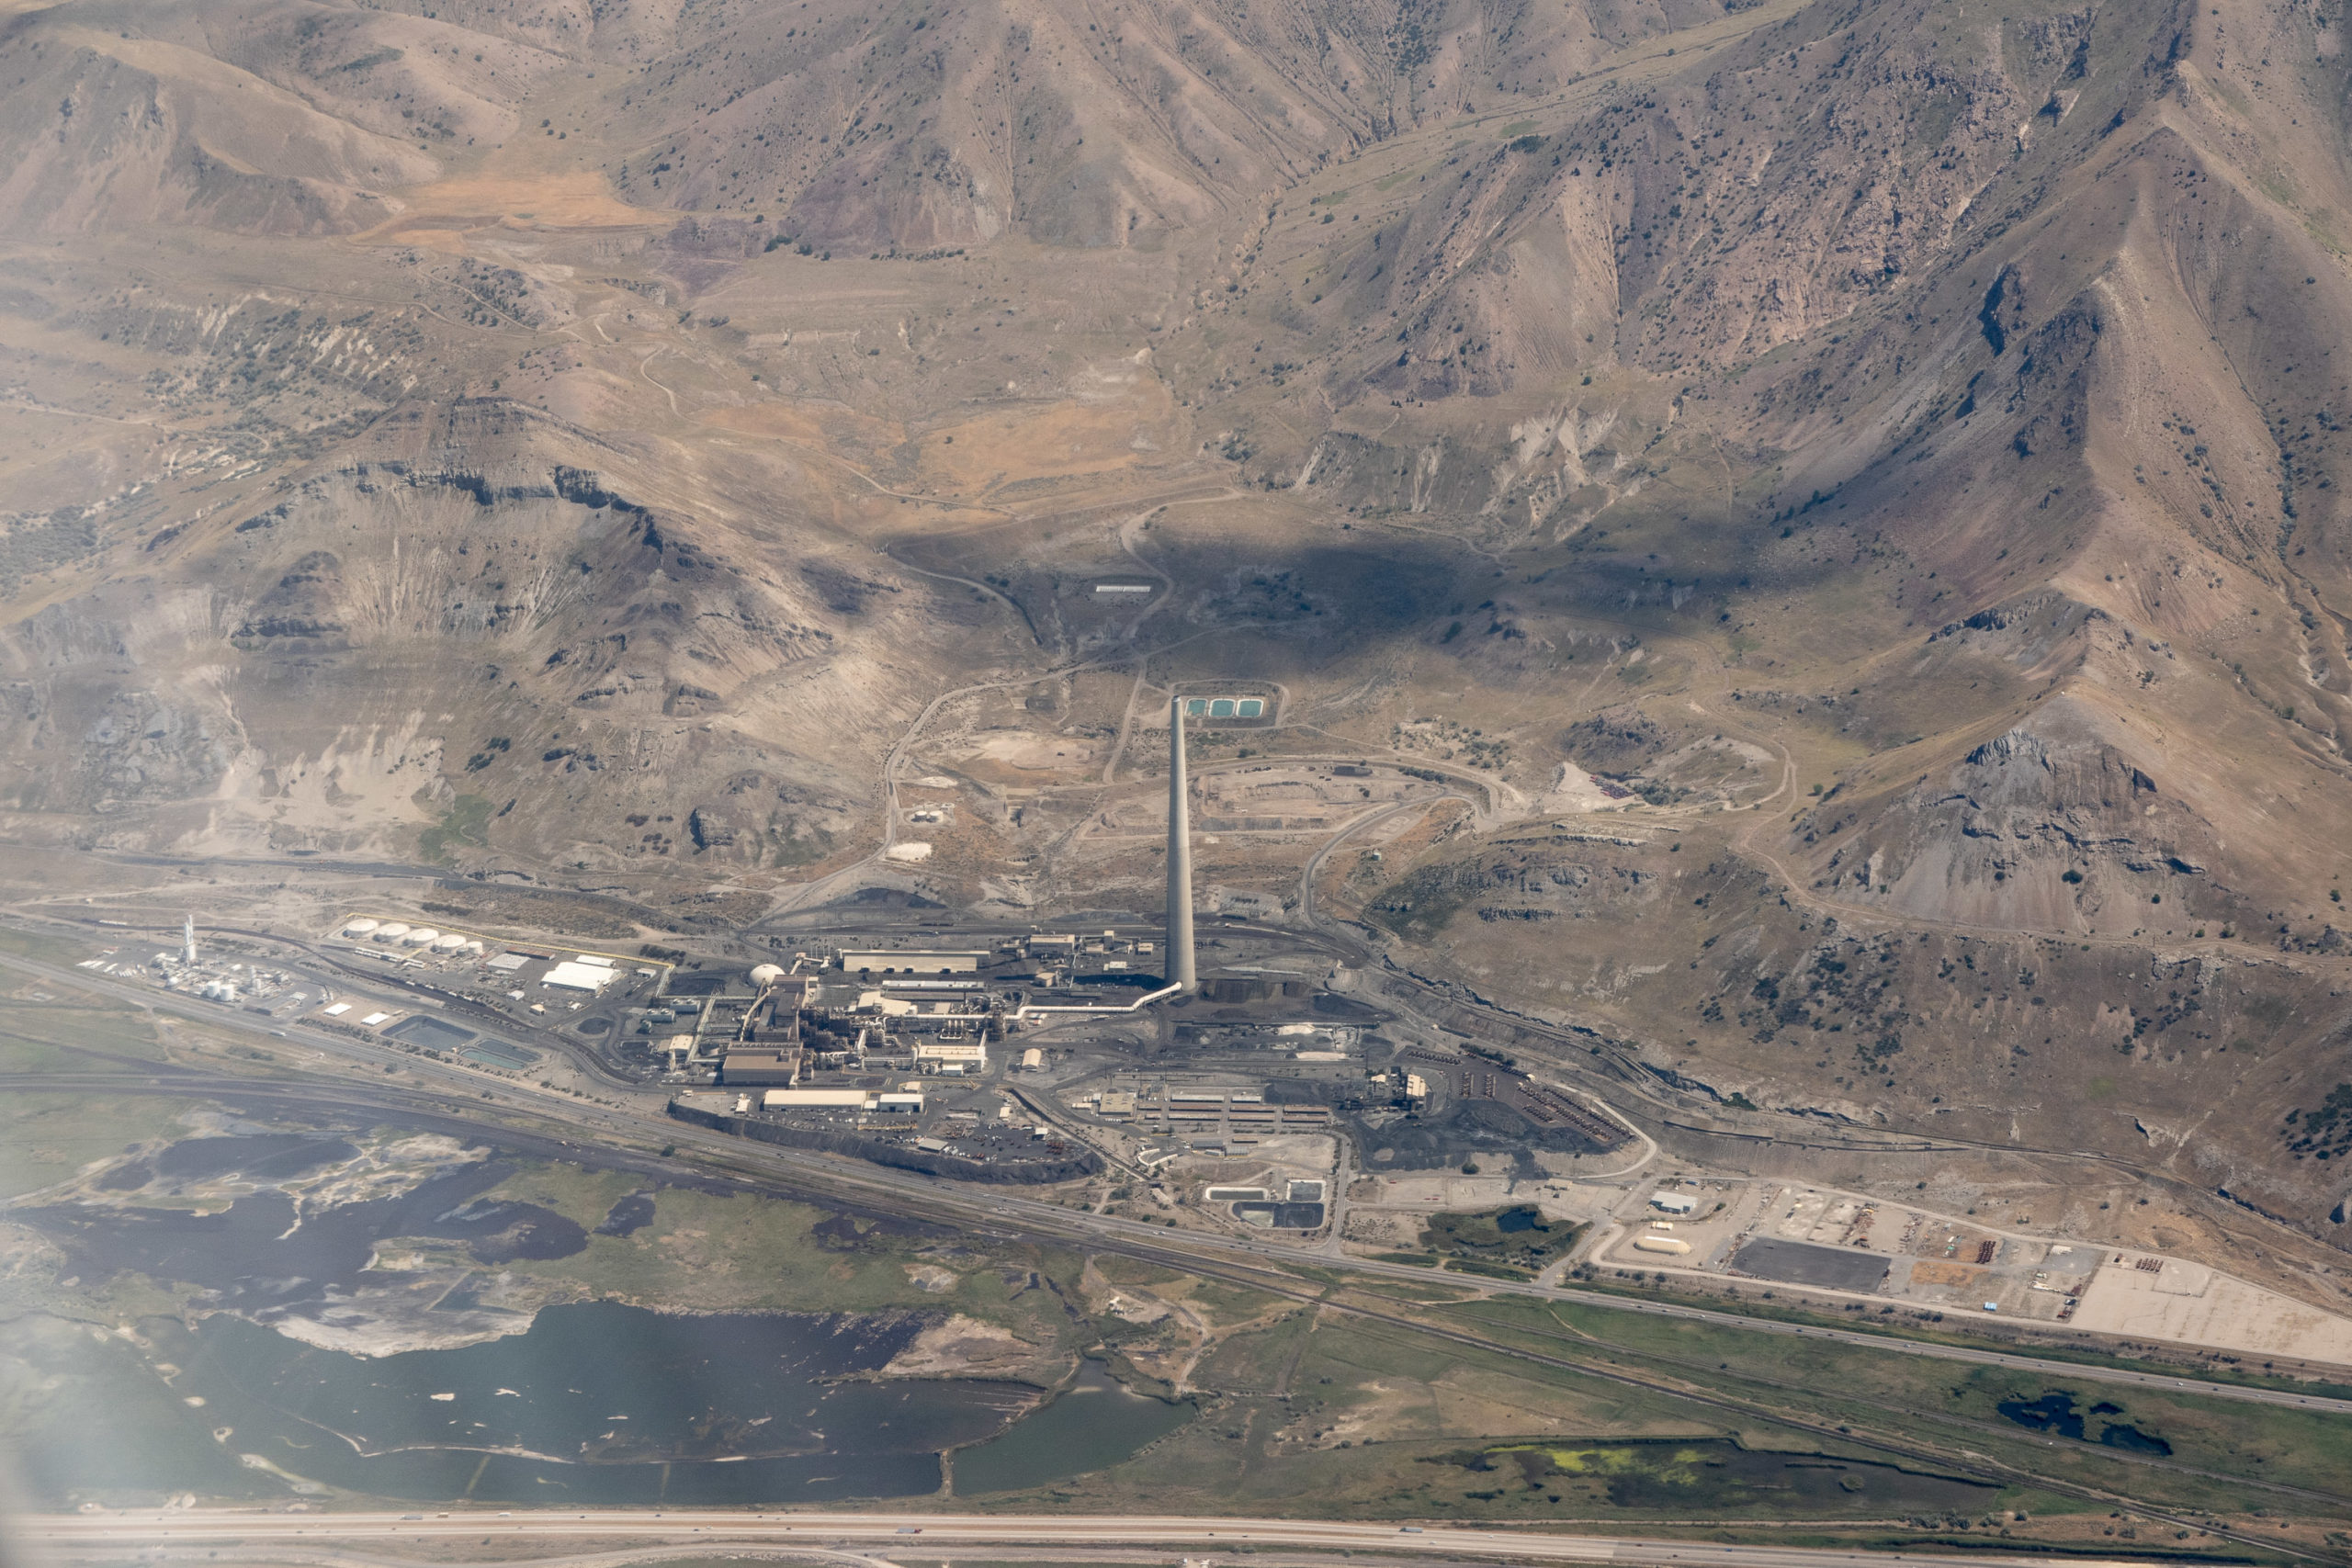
x,y
919,1532
470,1093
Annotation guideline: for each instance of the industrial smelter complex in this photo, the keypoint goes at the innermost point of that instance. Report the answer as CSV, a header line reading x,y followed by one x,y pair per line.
x,y
967,1049
888,1045
803,1023
976,1051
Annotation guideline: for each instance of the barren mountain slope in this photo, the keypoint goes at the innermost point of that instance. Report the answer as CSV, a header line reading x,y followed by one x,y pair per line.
x,y
1897,444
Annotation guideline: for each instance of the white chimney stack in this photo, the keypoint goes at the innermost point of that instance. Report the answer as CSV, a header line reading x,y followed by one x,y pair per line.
x,y
1180,856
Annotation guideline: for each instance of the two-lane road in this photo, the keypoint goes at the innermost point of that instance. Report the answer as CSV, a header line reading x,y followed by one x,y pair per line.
x,y
83,1535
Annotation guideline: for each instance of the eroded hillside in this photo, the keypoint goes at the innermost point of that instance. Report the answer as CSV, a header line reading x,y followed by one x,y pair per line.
x,y
1845,496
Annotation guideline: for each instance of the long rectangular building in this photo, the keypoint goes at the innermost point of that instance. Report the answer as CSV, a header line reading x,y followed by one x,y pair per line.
x,y
816,1099
896,960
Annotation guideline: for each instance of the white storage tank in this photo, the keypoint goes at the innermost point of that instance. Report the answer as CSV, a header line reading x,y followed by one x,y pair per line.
x,y
766,975
390,931
473,950
423,936
359,927
449,943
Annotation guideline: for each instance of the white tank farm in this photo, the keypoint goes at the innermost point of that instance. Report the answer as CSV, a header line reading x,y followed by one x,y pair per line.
x,y
359,927
423,936
391,930
449,943
766,975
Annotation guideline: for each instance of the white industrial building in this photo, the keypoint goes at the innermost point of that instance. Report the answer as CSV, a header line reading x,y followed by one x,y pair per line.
x,y
572,976
951,1056
888,960
816,1099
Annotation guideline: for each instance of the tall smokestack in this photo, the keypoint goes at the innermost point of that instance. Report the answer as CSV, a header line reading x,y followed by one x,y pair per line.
x,y
187,941
1180,856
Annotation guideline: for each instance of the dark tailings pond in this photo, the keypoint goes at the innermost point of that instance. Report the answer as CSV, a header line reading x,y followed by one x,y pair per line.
x,y
256,1256
2056,1411
596,1404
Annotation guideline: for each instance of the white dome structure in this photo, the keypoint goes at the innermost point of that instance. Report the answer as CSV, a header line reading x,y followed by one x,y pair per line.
x,y
449,943
766,975
423,936
359,927
391,930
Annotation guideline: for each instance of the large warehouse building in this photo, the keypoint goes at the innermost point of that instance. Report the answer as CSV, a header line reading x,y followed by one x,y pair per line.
x,y
583,973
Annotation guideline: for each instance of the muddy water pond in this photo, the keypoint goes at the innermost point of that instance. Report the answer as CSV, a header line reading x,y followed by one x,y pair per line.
x,y
1094,1423
599,1403
268,1253
596,1402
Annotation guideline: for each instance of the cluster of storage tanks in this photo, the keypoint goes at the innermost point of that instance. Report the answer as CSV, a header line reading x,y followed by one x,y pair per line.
x,y
397,933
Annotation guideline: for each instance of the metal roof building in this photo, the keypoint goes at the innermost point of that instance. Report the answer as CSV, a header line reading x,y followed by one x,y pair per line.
x,y
754,1066
884,960
825,1098
572,976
